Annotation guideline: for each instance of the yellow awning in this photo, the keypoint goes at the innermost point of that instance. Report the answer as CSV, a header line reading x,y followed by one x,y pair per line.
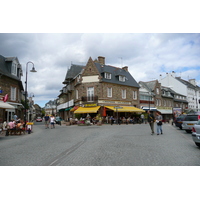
x,y
87,109
124,109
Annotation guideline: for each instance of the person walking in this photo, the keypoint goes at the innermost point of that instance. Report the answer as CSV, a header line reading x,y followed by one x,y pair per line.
x,y
52,121
159,123
46,121
111,120
151,120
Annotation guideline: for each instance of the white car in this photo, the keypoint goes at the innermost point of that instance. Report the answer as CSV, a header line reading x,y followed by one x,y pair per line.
x,y
196,133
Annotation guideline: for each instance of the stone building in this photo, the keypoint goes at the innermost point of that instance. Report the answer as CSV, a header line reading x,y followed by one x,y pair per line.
x,y
98,88
161,98
11,85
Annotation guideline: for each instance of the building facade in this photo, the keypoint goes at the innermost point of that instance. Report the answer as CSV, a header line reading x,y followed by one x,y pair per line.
x,y
160,98
189,89
100,87
11,85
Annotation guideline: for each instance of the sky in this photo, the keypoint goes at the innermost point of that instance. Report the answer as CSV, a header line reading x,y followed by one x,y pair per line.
x,y
146,55
53,48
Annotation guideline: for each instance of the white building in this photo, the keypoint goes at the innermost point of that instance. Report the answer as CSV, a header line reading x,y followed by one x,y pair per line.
x,y
186,88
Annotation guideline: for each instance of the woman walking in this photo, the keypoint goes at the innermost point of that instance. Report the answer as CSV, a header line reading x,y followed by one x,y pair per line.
x,y
159,123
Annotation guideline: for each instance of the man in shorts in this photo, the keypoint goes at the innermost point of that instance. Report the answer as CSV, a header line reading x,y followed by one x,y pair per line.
x,y
46,121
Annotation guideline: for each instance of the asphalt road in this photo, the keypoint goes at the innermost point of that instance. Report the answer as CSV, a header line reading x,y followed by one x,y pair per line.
x,y
116,145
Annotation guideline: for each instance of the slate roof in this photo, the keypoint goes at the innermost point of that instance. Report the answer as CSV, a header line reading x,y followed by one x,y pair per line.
x,y
73,72
5,69
149,86
115,72
187,83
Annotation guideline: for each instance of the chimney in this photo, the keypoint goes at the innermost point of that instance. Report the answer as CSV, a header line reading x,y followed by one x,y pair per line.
x,y
101,60
193,82
125,68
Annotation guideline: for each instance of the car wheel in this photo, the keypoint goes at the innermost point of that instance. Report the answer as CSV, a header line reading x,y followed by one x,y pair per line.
x,y
188,131
198,144
180,127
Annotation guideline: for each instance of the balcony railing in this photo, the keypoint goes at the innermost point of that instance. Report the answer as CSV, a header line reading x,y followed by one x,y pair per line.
x,y
89,98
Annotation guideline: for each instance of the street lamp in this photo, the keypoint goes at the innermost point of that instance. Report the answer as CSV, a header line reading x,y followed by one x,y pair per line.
x,y
33,70
30,110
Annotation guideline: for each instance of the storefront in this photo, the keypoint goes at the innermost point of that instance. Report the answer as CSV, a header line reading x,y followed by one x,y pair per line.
x,y
166,113
6,111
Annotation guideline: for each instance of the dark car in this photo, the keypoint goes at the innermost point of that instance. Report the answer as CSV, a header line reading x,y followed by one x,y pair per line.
x,y
179,120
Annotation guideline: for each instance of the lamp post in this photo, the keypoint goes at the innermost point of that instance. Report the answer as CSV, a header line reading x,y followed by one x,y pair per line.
x,y
33,70
30,110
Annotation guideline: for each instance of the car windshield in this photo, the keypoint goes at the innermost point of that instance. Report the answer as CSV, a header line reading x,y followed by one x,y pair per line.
x,y
191,118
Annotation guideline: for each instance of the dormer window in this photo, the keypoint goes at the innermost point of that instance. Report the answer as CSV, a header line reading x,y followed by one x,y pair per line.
x,y
107,75
14,69
122,78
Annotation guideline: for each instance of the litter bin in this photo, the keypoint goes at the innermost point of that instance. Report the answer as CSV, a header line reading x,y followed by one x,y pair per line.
x,y
29,127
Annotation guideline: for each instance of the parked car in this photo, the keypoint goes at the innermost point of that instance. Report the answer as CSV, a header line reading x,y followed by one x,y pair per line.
x,y
179,120
189,122
196,133
38,119
58,120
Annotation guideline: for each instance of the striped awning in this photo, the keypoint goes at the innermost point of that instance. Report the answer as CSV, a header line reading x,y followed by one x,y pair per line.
x,y
87,109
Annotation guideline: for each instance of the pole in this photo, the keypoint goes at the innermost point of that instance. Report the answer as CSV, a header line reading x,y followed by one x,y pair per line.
x,y
26,95
33,70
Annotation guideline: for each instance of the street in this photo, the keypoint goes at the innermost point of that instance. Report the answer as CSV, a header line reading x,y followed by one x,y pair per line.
x,y
106,145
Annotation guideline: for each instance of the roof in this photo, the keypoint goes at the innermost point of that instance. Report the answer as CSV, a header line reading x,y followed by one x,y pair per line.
x,y
187,83
72,72
149,86
115,71
5,69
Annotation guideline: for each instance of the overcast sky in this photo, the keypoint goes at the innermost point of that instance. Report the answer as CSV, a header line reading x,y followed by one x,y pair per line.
x,y
53,44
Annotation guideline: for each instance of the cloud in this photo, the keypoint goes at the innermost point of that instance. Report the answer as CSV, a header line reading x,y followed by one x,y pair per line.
x,y
146,55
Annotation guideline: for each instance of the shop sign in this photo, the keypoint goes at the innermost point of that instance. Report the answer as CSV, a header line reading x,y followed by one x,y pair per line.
x,y
90,105
115,102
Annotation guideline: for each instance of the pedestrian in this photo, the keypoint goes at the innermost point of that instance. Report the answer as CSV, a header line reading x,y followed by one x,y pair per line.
x,y
52,121
46,121
15,117
142,118
111,120
151,120
159,123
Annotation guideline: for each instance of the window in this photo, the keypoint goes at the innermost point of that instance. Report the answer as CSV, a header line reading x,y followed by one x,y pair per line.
x,y
122,78
76,94
134,94
14,69
90,93
109,92
107,75
123,94
157,90
13,94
